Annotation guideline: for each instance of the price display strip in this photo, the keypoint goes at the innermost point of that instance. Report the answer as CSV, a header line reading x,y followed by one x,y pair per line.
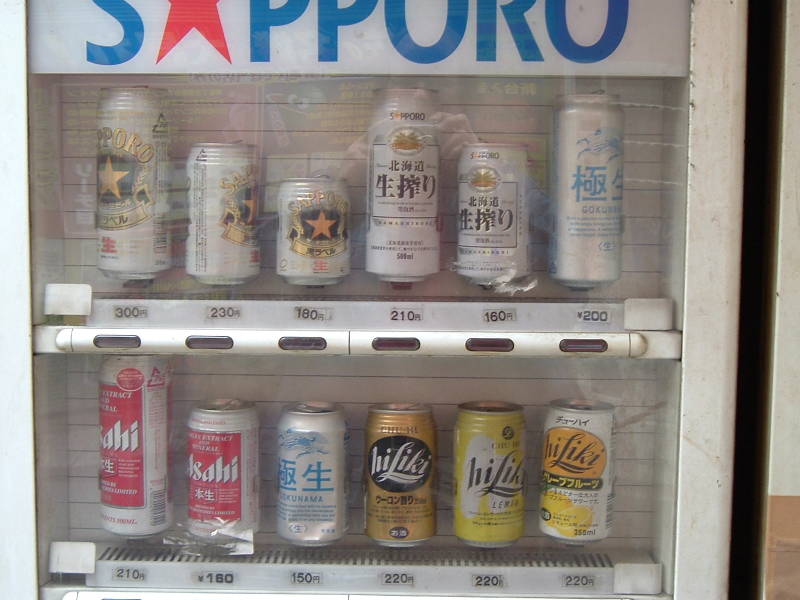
x,y
445,571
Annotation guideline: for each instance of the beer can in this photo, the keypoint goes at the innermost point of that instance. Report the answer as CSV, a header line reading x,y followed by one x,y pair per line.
x,y
577,492
586,241
403,186
133,240
489,473
493,213
400,474
313,474
222,247
134,445
313,235
223,468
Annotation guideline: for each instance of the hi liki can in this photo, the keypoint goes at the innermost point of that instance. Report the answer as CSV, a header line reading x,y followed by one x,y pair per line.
x,y
577,487
223,468
313,237
489,474
493,213
222,247
586,241
133,176
134,445
403,186
400,474
313,474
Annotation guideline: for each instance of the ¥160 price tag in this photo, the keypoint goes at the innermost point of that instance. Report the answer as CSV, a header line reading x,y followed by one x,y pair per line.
x,y
216,578
493,316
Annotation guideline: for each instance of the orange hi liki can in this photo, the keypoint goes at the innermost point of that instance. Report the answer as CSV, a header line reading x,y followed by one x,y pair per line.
x,y
400,474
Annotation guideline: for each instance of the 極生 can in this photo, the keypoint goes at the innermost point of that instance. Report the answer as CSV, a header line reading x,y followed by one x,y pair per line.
x,y
133,173
586,241
222,247
313,237
313,474
134,445
403,186
493,213
223,468
489,474
400,474
577,492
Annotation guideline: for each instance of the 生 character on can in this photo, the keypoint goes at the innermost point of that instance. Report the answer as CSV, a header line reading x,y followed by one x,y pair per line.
x,y
133,240
134,444
400,474
586,242
223,468
403,186
313,474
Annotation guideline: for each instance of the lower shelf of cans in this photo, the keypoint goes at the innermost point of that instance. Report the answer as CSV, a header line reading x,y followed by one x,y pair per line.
x,y
509,571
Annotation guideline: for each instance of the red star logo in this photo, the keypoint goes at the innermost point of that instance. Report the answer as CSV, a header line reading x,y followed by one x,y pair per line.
x,y
185,15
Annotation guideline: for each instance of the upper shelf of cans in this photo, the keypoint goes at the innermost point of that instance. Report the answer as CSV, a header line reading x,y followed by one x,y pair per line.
x,y
215,234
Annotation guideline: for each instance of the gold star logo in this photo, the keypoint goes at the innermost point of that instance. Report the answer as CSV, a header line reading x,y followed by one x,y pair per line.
x,y
109,179
322,226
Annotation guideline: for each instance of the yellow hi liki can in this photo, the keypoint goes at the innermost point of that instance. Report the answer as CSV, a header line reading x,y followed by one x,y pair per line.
x,y
577,490
489,474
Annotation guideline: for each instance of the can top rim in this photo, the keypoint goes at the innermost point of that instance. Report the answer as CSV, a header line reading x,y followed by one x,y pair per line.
x,y
313,407
400,407
225,404
581,405
489,406
133,89
238,144
599,97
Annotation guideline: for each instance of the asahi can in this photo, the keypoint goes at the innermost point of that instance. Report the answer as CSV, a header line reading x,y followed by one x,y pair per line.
x,y
493,213
222,247
489,474
313,235
134,445
223,468
400,474
313,474
586,241
403,186
577,492
133,240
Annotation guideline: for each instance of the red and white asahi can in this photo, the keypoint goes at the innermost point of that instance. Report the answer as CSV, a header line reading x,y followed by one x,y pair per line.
x,y
134,445
223,468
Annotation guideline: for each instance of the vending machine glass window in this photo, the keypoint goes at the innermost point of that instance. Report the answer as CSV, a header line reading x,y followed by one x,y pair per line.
x,y
391,298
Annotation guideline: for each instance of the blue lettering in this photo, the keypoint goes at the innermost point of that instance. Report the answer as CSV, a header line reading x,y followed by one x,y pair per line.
x,y
514,13
454,31
616,24
331,17
132,35
262,18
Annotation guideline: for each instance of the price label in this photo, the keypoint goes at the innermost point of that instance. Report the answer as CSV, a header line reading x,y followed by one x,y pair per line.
x,y
223,312
494,316
216,578
593,316
130,312
406,314
128,574
397,579
488,581
305,578
583,582
309,313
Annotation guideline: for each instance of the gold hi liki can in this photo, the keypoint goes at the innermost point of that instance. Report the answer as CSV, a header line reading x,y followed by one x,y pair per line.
x,y
489,474
400,474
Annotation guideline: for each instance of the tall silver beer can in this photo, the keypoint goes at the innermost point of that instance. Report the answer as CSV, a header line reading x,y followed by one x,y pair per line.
x,y
134,445
586,241
313,474
493,213
224,479
222,247
403,186
313,246
577,487
133,240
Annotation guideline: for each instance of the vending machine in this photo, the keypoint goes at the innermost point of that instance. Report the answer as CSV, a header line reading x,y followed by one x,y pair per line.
x,y
367,298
